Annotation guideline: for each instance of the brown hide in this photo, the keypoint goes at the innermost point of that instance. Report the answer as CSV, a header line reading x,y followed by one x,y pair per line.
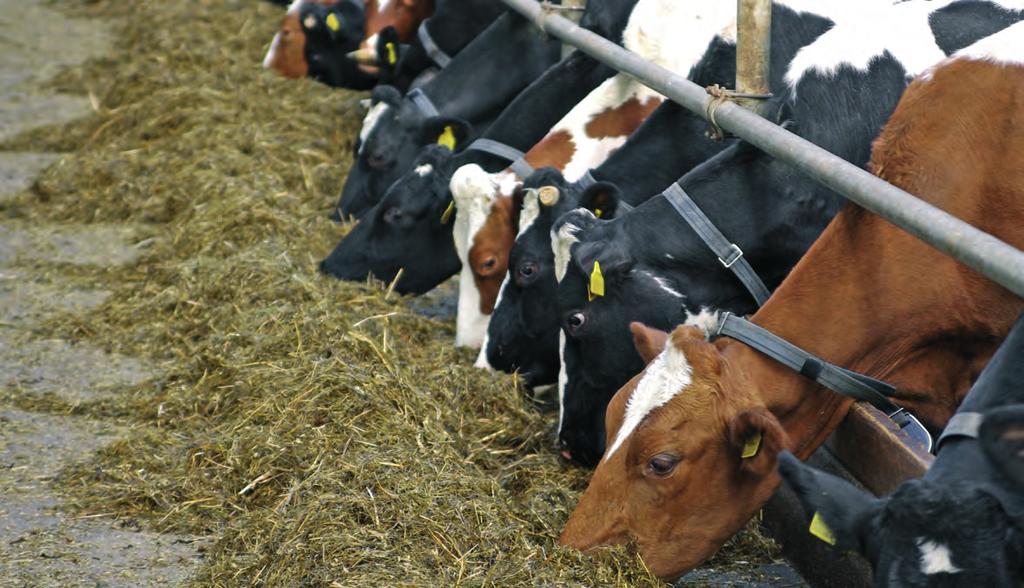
x,y
867,296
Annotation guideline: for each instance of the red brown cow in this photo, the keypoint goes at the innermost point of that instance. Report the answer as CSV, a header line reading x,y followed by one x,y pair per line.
x,y
867,296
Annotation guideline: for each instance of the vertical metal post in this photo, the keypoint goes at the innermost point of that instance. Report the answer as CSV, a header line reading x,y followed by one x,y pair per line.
x,y
753,49
574,16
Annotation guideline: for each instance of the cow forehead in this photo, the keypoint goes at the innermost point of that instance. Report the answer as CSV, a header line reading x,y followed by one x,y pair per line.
x,y
936,558
666,377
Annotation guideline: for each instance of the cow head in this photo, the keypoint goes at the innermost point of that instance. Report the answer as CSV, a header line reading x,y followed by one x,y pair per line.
x,y
597,353
407,230
486,220
600,281
927,533
522,334
313,40
389,144
691,456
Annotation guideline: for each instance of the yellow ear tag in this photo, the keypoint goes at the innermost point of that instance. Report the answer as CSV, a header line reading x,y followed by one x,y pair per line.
x,y
597,212
332,22
820,530
447,214
751,446
392,54
447,138
596,287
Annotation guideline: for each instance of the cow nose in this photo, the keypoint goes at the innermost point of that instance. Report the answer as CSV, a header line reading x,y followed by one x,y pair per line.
x,y
563,448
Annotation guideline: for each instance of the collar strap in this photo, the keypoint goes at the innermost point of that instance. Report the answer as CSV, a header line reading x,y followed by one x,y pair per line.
x,y
963,424
422,102
433,51
517,157
728,253
841,380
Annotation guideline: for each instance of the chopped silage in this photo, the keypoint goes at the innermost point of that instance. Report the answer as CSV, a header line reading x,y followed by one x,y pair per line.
x,y
322,431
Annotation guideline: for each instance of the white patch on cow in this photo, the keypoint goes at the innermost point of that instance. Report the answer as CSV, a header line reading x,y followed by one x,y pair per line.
x,y
1005,47
562,241
382,5
665,377
900,30
675,34
424,170
275,46
370,120
474,195
935,558
531,210
563,379
706,320
481,358
370,42
662,283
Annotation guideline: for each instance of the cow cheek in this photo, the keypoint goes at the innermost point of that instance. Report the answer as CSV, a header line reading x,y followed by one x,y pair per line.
x,y
599,518
291,59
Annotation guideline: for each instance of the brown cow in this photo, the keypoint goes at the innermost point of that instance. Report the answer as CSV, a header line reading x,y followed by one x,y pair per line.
x,y
287,53
866,296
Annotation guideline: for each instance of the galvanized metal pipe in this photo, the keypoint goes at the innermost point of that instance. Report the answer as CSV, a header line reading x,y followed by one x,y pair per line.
x,y
753,50
988,255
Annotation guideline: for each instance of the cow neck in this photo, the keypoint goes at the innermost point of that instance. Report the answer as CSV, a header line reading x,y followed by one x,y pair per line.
x,y
503,59
543,104
657,140
893,311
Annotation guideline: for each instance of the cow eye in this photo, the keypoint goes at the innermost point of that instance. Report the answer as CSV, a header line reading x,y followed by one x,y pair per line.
x,y
575,322
526,272
662,465
393,215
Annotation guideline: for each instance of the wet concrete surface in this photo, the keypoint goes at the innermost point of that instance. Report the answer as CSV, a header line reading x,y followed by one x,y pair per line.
x,y
41,544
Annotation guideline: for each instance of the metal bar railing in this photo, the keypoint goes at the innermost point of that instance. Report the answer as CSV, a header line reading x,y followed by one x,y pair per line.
x,y
990,256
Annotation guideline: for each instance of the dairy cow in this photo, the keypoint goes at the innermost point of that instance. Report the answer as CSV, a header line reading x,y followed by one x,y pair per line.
x,y
315,37
523,334
771,213
505,58
693,440
452,26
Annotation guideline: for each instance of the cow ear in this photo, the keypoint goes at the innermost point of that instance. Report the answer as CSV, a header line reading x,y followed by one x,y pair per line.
x,y
757,437
1002,438
448,131
602,199
388,49
387,94
841,514
603,261
648,342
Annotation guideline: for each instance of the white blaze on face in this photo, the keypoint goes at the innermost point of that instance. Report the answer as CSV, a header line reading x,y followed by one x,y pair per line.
x,y
370,120
424,170
668,375
475,193
562,241
563,379
935,558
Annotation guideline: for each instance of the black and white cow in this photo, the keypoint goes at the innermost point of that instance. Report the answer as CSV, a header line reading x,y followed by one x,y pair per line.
x,y
962,524
523,123
659,272
523,331
454,24
467,94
